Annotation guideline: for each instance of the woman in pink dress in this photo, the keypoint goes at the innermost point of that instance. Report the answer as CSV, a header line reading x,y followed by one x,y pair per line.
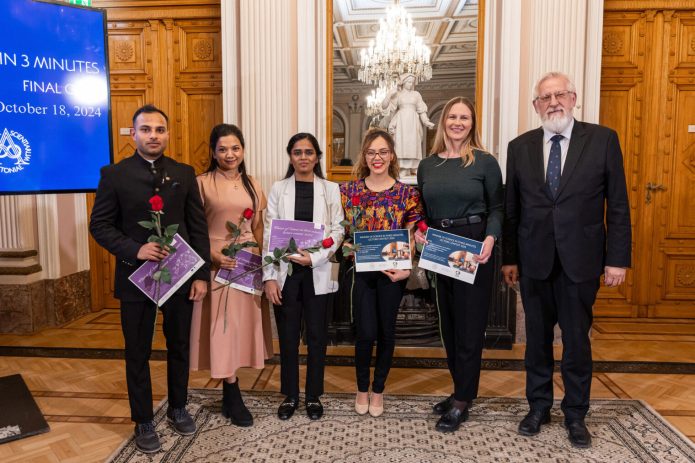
x,y
239,327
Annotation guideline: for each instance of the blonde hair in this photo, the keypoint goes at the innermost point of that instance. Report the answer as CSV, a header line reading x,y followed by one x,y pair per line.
x,y
361,169
442,142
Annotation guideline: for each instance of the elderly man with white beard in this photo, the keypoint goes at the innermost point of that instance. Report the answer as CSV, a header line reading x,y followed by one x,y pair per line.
x,y
562,180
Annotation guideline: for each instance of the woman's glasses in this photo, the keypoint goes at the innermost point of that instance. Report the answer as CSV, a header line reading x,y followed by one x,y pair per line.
x,y
383,154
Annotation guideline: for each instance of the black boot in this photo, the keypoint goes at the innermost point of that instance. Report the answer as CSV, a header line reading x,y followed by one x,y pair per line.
x,y
233,406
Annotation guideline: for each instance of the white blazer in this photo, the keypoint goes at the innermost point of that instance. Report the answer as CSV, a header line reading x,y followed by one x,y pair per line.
x,y
328,210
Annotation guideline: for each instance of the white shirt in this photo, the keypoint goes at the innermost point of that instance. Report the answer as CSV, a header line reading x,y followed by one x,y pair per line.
x,y
564,145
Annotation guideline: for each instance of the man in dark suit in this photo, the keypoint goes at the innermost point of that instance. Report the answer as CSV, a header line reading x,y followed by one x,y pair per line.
x,y
561,179
122,200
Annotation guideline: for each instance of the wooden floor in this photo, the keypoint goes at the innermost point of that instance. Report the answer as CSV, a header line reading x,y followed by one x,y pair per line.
x,y
86,404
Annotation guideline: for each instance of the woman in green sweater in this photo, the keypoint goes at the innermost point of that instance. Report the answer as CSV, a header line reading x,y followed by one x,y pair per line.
x,y
461,185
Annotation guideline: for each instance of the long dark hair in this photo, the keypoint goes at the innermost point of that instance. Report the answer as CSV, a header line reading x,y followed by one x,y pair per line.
x,y
223,130
312,139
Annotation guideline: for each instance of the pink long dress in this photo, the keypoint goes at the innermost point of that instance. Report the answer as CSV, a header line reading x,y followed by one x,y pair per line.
x,y
247,339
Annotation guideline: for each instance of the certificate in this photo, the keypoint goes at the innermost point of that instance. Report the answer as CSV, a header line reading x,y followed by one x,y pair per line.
x,y
247,276
182,264
305,234
382,250
450,255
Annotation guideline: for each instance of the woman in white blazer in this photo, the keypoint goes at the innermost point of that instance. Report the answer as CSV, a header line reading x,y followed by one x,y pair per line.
x,y
303,194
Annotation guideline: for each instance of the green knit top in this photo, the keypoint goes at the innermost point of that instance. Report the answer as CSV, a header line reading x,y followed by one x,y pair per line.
x,y
451,191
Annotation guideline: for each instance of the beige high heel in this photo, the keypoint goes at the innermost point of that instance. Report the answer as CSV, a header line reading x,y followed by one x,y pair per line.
x,y
361,409
374,410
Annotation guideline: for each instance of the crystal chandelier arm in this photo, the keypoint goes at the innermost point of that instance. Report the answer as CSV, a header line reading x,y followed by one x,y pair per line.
x,y
396,49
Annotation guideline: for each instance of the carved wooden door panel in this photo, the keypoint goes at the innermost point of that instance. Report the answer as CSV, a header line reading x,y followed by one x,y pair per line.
x,y
623,90
134,66
648,97
176,64
672,184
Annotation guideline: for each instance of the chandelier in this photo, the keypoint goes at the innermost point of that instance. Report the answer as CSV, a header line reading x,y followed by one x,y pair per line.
x,y
396,50
374,100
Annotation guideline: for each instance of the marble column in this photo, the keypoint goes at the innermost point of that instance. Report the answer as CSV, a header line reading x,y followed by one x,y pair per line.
x,y
18,255
556,36
273,77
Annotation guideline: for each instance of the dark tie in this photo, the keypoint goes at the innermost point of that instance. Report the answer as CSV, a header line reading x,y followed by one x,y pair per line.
x,y
552,174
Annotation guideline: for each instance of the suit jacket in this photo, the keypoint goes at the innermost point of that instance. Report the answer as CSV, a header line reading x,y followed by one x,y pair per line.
x,y
592,184
122,200
328,210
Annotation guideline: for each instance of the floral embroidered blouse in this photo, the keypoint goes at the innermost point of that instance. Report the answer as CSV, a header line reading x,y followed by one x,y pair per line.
x,y
398,207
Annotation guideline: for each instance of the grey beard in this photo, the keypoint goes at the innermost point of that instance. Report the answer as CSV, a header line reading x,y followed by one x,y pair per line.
x,y
557,124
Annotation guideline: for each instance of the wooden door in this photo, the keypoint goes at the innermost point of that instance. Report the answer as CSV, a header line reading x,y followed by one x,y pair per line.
x,y
173,60
648,97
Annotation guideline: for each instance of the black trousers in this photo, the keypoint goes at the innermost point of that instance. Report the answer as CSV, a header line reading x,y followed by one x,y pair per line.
x,y
137,323
299,302
375,303
463,310
547,302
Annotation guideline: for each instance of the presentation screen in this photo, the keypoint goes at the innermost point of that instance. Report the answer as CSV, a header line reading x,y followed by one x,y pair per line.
x,y
55,120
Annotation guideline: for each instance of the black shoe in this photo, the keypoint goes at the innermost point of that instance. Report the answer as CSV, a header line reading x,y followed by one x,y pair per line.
x,y
287,408
181,421
578,434
233,405
451,420
442,407
531,424
146,438
314,408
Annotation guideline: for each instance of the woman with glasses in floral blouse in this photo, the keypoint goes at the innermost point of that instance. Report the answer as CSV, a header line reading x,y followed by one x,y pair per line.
x,y
377,201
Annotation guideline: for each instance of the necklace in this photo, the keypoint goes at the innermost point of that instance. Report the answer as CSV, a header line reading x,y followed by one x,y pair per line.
x,y
235,181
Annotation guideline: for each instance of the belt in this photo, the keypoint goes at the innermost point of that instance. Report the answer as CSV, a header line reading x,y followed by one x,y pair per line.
x,y
446,223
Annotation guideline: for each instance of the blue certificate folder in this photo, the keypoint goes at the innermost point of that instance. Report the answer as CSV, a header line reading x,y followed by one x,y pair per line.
x,y
450,255
383,250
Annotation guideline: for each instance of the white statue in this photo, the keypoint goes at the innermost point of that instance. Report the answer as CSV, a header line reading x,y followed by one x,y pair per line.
x,y
409,114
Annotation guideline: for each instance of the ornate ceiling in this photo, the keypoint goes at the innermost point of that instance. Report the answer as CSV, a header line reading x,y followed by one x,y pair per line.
x,y
448,27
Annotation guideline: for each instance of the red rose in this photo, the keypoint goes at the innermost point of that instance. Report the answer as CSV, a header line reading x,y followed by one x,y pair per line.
x,y
355,201
422,226
327,243
157,203
248,213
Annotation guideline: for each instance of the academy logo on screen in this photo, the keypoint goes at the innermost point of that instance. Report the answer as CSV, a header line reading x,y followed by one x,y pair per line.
x,y
15,152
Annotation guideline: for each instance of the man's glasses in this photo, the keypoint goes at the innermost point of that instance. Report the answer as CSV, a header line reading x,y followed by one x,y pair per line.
x,y
383,154
559,96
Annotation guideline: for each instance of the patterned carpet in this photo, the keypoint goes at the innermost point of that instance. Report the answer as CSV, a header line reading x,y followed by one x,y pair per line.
x,y
623,431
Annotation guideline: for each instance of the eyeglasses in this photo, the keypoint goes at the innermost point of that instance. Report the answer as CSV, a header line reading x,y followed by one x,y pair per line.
x,y
383,154
298,153
559,96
